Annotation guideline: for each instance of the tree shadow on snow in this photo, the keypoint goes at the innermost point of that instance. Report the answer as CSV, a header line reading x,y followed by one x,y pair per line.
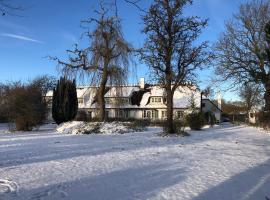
x,y
131,183
54,147
252,184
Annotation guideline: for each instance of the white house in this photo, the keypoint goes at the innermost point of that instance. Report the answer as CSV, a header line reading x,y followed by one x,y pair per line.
x,y
208,105
137,101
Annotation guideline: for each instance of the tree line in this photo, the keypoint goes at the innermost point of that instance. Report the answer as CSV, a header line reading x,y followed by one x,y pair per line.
x,y
23,104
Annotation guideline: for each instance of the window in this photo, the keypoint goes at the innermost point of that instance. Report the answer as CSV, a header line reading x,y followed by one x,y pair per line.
x,y
147,114
179,114
251,115
153,114
122,113
164,99
107,114
158,99
80,100
90,114
164,114
107,100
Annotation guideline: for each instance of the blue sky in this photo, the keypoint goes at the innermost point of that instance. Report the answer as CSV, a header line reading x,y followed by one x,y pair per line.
x,y
50,27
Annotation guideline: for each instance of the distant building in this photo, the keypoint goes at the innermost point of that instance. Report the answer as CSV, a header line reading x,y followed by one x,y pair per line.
x,y
208,105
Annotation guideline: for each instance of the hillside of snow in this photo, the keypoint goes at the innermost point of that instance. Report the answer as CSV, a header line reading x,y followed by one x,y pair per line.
x,y
223,163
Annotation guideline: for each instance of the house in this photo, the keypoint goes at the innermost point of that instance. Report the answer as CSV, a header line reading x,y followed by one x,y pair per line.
x,y
140,101
253,114
209,106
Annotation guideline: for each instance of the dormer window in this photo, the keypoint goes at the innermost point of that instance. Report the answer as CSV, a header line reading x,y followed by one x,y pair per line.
x,y
80,100
156,99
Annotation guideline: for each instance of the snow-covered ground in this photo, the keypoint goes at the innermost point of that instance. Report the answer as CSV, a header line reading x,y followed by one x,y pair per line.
x,y
227,162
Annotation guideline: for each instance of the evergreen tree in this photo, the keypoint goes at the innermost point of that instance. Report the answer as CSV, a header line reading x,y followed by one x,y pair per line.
x,y
192,103
65,102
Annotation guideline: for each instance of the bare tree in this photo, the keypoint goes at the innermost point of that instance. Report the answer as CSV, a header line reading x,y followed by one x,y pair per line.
x,y
45,83
170,50
7,8
251,95
209,92
242,49
106,59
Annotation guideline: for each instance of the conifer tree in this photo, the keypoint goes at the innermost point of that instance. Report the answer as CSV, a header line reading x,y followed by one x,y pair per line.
x,y
65,102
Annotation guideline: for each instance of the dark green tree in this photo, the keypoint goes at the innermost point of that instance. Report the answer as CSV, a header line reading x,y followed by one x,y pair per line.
x,y
65,102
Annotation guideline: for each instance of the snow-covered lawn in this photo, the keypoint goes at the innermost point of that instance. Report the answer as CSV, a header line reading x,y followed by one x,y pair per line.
x,y
227,162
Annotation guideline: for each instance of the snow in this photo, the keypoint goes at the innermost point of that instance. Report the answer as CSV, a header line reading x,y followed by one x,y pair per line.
x,y
112,128
70,127
145,98
222,163
157,91
79,127
125,91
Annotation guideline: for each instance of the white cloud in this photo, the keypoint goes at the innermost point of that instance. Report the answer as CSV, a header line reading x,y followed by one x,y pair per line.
x,y
21,37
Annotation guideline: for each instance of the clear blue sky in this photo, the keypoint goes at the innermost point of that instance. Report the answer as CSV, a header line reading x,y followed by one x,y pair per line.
x,y
52,26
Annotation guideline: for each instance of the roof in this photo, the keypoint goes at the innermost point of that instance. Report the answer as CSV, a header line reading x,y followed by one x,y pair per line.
x,y
157,91
49,93
122,91
140,98
212,104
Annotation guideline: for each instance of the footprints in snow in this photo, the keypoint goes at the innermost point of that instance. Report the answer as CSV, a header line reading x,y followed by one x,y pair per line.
x,y
55,192
8,187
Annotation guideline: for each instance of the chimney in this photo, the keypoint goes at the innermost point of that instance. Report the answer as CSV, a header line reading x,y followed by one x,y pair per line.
x,y
219,99
141,83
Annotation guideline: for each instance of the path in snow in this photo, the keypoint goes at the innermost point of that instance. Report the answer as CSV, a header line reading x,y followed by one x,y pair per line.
x,y
224,163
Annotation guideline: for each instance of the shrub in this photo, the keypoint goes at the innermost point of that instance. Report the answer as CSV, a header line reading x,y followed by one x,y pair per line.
x,y
139,124
179,127
65,102
25,106
210,118
81,116
195,120
264,120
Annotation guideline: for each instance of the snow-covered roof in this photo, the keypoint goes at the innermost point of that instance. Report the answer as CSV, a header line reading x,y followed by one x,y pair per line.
x,y
49,93
181,96
157,91
123,91
81,91
145,98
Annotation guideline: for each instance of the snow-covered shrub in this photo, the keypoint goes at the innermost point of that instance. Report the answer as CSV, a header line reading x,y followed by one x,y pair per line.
x,y
195,120
79,127
113,127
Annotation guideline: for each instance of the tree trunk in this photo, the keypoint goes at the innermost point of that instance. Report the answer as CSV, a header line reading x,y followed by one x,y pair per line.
x,y
101,93
267,96
169,123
